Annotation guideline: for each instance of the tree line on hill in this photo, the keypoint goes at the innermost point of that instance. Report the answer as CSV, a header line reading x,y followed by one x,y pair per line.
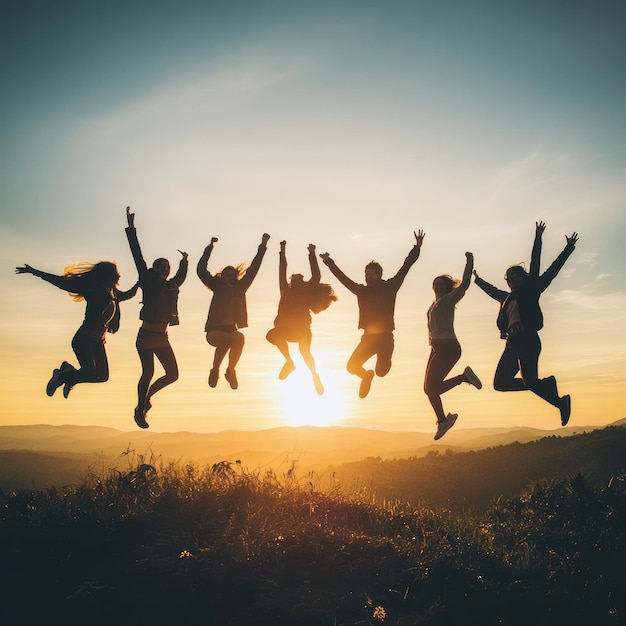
x,y
473,479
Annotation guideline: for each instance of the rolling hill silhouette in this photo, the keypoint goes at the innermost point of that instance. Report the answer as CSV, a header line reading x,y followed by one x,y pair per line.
x,y
481,463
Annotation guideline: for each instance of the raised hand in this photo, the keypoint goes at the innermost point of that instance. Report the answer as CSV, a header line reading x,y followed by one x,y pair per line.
x,y
469,256
324,256
572,239
130,217
265,239
214,240
311,248
185,255
26,269
539,228
419,238
283,245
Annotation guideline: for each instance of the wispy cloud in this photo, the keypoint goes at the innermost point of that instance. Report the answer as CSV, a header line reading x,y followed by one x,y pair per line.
x,y
196,96
604,304
535,169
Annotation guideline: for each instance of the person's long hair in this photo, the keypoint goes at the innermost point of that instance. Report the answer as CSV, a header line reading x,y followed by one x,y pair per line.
x,y
319,296
240,268
91,276
450,282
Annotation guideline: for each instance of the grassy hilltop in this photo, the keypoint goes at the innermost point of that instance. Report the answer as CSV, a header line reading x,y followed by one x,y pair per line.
x,y
158,543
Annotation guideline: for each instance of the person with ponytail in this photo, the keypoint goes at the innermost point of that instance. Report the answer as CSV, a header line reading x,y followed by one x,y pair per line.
x,y
445,349
293,321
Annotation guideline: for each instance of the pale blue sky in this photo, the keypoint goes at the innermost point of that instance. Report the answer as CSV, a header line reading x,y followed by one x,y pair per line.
x,y
346,124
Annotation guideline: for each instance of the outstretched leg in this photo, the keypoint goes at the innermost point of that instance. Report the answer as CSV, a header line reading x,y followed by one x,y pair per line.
x,y
237,340
444,355
220,340
146,356
304,346
145,350
166,357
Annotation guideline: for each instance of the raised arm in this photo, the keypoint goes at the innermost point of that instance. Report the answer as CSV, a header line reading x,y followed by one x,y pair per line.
x,y
549,275
535,255
348,283
316,275
282,267
133,242
253,270
459,291
183,266
201,269
411,258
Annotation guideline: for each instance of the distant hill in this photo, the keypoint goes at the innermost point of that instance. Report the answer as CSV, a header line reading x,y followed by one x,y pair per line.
x,y
475,478
22,469
309,445
41,455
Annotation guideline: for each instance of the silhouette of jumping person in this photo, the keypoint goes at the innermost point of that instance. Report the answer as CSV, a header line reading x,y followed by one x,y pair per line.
x,y
228,310
96,285
293,321
445,349
159,310
520,319
377,301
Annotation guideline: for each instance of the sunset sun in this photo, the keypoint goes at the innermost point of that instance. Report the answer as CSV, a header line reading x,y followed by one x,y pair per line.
x,y
302,406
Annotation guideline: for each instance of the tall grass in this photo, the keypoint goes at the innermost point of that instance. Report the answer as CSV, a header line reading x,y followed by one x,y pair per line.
x,y
162,543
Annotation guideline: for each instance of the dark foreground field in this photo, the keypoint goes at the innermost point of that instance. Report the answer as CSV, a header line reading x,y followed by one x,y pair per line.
x,y
181,544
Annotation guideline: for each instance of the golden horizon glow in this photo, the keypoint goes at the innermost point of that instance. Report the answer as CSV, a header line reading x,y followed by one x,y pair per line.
x,y
302,406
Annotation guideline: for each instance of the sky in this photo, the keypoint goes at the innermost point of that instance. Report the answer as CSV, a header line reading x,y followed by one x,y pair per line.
x,y
347,124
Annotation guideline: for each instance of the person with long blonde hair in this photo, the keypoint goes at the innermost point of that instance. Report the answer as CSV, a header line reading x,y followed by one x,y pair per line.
x,y
96,284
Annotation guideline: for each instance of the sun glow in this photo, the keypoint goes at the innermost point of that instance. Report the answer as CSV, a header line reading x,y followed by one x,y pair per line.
x,y
302,406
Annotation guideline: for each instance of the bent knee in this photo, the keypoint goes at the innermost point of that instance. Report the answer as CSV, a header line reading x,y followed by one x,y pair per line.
x,y
382,369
